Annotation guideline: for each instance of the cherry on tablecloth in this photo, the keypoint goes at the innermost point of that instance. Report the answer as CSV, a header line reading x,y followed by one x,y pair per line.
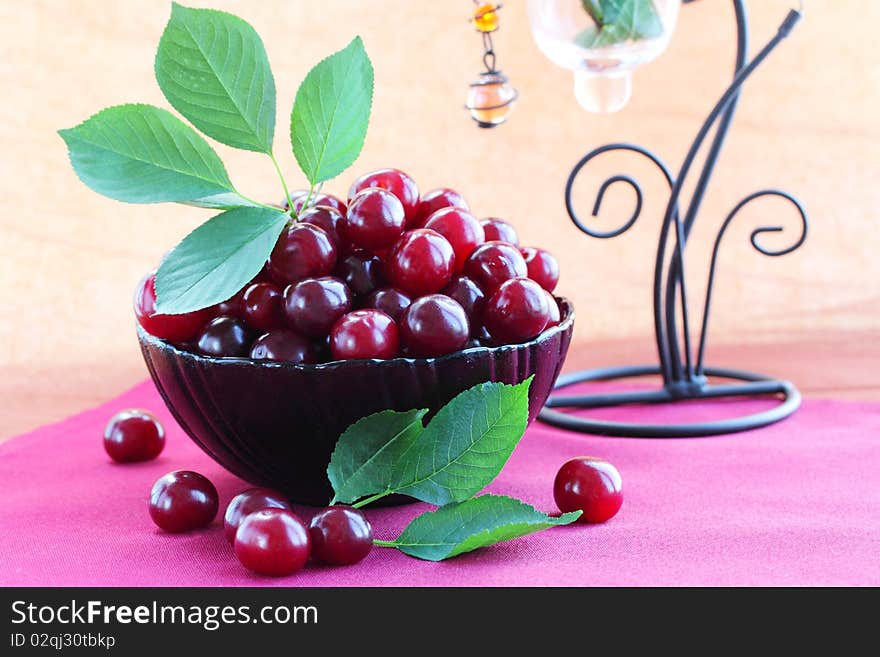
x,y
796,503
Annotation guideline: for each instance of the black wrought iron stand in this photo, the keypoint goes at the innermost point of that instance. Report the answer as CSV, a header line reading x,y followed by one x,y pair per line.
x,y
683,379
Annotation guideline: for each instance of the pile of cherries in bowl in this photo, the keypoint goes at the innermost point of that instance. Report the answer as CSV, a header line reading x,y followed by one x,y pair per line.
x,y
389,273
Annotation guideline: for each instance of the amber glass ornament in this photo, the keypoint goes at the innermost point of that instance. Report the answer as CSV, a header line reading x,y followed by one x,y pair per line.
x,y
491,97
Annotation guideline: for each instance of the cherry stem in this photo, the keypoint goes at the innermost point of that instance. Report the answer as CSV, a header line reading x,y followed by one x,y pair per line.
x,y
388,544
371,499
283,183
256,203
308,199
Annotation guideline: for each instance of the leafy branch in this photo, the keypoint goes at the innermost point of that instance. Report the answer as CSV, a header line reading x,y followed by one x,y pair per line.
x,y
617,21
466,526
213,69
446,463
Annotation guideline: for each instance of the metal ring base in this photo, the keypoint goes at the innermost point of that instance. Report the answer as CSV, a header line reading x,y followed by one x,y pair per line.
x,y
751,384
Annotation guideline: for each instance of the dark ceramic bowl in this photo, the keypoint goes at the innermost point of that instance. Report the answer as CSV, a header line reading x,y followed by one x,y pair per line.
x,y
275,424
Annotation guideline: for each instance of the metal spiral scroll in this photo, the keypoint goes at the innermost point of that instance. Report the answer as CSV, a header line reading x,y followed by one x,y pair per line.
x,y
633,184
683,377
753,238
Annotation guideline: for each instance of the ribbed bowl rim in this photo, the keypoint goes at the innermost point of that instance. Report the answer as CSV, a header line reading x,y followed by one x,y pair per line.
x,y
566,321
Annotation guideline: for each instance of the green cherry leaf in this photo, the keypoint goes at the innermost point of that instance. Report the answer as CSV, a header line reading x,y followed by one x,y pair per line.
x,y
144,154
217,259
368,450
593,9
465,444
618,21
224,201
213,69
331,111
593,37
636,18
475,523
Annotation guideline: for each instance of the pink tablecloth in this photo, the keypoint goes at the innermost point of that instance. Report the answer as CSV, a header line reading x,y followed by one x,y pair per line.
x,y
797,503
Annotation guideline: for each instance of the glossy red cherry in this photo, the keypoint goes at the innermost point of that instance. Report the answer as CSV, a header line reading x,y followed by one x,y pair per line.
x,y
435,200
225,337
394,181
272,542
361,272
134,435
434,325
470,297
590,484
312,306
461,229
328,200
261,306
174,328
420,263
364,334
322,349
383,255
481,335
518,311
555,313
340,535
542,267
232,306
500,231
283,345
390,301
248,502
375,219
183,500
332,221
302,251
493,263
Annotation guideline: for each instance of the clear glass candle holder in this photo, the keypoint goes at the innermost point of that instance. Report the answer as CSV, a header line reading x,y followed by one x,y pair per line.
x,y
602,64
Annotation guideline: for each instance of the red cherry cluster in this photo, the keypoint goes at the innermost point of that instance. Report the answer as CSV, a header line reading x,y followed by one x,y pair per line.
x,y
268,538
390,273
